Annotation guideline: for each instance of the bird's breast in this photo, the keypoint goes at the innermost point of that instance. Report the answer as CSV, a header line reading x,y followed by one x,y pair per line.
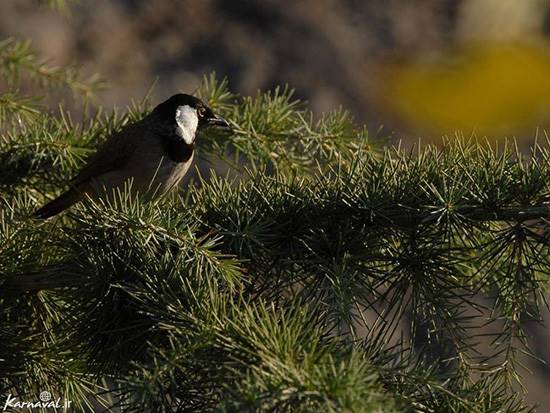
x,y
151,174
171,172
176,149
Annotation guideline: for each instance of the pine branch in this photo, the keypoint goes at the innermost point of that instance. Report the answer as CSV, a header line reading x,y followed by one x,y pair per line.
x,y
13,104
291,284
17,59
406,218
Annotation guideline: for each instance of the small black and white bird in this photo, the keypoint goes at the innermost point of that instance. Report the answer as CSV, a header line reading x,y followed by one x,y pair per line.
x,y
155,153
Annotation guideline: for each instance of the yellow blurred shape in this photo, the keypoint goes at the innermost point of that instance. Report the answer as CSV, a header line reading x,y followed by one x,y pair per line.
x,y
492,89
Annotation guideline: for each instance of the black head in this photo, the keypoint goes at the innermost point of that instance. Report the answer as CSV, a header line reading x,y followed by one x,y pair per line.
x,y
168,110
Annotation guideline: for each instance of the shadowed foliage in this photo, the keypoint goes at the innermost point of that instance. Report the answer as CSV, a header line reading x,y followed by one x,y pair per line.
x,y
331,275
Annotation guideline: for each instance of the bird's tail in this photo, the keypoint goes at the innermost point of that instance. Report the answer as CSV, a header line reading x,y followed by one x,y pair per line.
x,y
59,204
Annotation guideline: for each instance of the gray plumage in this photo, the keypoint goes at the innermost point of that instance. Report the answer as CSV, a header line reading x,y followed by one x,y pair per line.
x,y
154,153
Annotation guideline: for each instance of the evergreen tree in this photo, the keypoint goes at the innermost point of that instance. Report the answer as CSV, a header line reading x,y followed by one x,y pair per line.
x,y
324,272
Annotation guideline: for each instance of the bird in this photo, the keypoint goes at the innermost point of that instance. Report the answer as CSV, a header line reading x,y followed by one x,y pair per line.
x,y
154,153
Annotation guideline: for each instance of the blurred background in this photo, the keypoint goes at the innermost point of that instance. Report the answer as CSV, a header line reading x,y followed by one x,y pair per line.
x,y
420,68
408,69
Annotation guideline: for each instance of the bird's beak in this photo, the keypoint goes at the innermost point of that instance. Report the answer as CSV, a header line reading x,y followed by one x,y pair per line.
x,y
218,121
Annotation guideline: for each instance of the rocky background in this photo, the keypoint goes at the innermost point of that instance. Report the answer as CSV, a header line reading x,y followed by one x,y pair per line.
x,y
421,68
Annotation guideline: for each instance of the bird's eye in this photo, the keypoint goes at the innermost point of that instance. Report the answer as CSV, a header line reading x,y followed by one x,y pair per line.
x,y
201,111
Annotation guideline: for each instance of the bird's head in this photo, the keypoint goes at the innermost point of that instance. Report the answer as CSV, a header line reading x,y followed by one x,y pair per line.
x,y
188,115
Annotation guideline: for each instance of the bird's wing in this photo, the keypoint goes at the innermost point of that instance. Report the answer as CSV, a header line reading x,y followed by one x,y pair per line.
x,y
112,155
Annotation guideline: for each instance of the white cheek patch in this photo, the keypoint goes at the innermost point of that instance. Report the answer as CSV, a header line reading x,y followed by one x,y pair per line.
x,y
187,120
